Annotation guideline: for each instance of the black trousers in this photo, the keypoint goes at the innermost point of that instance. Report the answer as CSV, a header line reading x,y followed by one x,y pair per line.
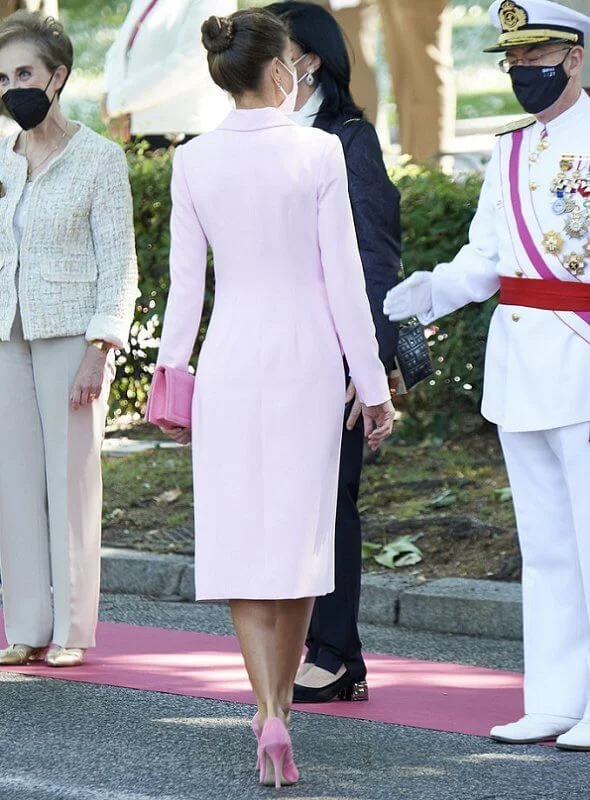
x,y
333,637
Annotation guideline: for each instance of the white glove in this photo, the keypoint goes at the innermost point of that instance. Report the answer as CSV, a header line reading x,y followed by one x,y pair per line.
x,y
412,297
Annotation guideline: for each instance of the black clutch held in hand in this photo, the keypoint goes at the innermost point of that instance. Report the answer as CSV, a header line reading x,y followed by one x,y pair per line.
x,y
413,355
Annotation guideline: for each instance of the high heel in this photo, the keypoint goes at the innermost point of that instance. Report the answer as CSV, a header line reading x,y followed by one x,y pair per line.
x,y
257,731
256,726
275,755
343,688
355,692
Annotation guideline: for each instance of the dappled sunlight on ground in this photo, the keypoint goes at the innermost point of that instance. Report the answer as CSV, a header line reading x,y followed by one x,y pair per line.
x,y
422,694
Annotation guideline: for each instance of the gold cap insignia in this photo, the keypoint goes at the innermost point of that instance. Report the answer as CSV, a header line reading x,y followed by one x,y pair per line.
x,y
512,16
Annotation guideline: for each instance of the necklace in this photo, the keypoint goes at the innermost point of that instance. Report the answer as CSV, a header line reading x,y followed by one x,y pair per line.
x,y
30,168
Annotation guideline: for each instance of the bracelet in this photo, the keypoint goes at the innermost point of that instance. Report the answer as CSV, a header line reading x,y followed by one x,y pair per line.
x,y
101,345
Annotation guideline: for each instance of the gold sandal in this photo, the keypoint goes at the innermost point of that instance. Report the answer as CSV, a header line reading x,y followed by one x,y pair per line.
x,y
64,656
17,655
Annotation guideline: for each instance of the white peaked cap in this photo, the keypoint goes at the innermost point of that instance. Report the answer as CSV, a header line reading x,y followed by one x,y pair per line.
x,y
529,22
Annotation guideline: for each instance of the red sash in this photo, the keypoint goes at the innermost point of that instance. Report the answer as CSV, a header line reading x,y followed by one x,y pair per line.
x,y
549,295
526,232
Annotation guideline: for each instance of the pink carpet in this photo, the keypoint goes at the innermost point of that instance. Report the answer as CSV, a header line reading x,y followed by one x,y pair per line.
x,y
420,694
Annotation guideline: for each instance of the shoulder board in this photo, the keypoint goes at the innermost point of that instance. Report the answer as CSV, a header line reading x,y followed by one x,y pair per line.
x,y
518,125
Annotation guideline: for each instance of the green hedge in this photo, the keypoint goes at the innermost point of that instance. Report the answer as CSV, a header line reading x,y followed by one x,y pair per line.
x,y
150,182
436,212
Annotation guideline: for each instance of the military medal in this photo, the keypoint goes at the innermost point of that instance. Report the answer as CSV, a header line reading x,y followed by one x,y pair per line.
x,y
559,205
577,224
559,183
571,199
542,145
574,263
553,242
566,163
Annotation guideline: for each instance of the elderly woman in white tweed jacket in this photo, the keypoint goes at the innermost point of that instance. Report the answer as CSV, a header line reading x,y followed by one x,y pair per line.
x,y
68,282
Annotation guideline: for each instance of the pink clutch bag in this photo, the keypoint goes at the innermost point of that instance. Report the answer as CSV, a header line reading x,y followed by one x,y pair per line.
x,y
171,397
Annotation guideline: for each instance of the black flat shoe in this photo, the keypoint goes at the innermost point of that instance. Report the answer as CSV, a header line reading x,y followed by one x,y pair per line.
x,y
344,688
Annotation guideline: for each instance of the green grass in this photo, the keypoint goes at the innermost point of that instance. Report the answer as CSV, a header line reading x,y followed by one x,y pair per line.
x,y
135,487
472,105
472,474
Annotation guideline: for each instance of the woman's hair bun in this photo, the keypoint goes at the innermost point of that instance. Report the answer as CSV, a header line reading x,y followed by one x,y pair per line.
x,y
217,34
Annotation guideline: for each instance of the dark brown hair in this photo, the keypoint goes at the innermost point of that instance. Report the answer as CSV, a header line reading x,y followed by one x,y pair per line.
x,y
53,45
240,45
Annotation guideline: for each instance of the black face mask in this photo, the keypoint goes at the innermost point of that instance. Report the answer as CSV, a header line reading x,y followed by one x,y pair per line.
x,y
27,107
537,88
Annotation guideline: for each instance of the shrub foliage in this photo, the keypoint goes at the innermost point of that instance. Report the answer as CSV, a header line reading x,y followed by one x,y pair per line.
x,y
436,214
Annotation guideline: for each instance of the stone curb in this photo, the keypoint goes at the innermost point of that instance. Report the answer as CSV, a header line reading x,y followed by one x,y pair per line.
x,y
449,605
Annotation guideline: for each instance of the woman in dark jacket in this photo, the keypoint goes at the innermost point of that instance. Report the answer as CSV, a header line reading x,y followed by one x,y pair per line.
x,y
334,665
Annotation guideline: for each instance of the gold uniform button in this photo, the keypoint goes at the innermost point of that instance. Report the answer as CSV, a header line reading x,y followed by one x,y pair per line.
x,y
516,317
519,273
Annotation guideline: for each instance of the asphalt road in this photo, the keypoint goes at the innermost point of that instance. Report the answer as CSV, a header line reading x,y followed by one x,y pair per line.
x,y
73,741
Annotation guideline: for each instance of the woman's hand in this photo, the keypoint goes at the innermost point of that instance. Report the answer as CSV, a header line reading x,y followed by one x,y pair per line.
x,y
120,128
180,435
356,409
378,423
104,114
89,380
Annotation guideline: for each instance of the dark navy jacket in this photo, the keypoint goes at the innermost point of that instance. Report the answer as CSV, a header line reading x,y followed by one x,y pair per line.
x,y
376,209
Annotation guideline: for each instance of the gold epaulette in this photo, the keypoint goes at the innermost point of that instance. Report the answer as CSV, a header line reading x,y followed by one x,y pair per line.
x,y
525,122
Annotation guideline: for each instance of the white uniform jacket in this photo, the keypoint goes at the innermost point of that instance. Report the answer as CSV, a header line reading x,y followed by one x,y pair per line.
x,y
537,371
162,79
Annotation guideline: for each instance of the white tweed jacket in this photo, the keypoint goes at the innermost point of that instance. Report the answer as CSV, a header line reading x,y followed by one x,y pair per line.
x,y
78,268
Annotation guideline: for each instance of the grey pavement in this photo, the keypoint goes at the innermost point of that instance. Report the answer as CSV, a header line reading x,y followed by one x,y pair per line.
x,y
72,741
122,446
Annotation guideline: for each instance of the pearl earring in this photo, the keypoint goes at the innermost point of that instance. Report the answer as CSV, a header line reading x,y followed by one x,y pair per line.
x,y
309,79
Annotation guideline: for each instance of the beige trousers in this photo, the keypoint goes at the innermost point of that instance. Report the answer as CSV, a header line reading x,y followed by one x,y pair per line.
x,y
418,42
417,36
50,493
48,8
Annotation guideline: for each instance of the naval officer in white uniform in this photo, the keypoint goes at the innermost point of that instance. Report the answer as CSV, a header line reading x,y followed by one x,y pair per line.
x,y
530,238
158,86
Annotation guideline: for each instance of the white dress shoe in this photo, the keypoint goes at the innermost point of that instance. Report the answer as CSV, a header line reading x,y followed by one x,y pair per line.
x,y
533,728
577,738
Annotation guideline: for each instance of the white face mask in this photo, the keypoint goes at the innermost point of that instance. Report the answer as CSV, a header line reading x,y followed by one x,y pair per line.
x,y
288,104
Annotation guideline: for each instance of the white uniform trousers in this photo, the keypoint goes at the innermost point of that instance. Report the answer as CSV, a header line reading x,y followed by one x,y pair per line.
x,y
549,474
50,493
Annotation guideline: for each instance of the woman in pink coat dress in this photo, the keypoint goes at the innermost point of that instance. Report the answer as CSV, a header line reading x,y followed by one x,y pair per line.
x,y
270,198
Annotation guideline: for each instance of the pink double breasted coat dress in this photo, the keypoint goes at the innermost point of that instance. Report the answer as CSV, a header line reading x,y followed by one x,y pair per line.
x,y
271,199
